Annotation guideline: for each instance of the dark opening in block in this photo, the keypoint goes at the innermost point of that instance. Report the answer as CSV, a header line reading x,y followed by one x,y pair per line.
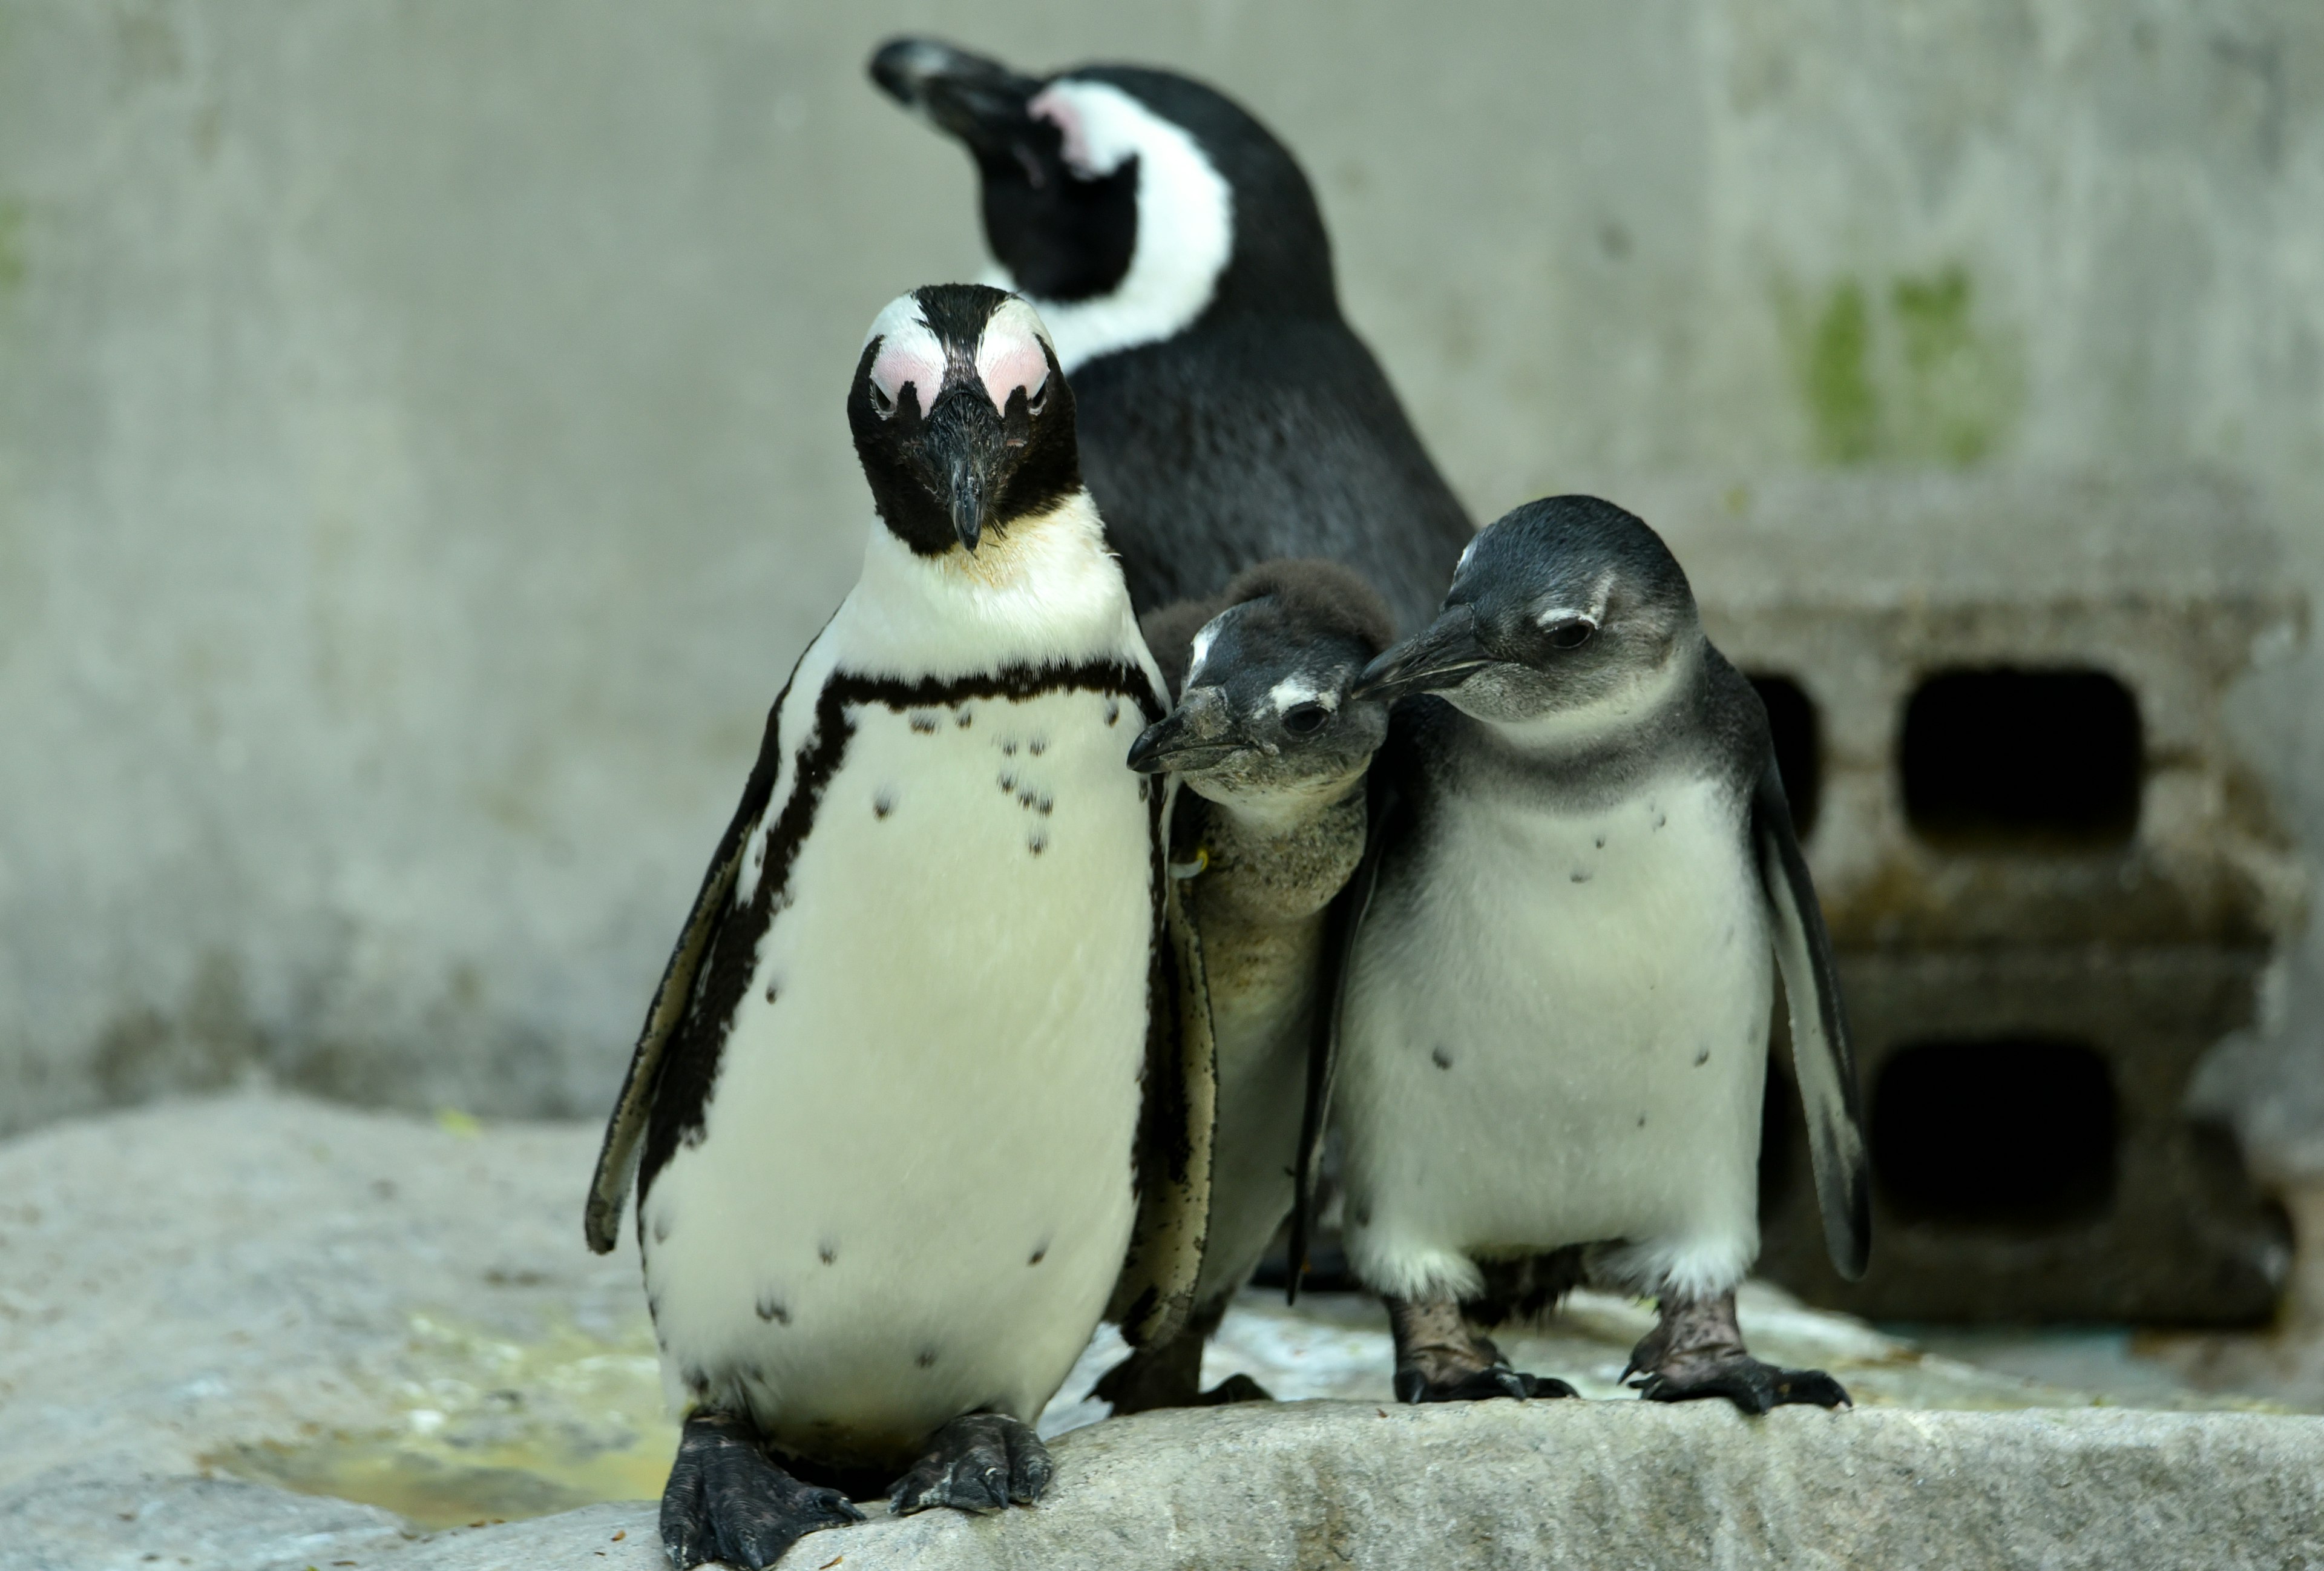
x,y
1799,746
2011,757
2011,1132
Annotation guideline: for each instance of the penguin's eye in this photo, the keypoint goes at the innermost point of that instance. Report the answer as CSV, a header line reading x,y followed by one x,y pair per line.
x,y
1572,634
882,404
1304,720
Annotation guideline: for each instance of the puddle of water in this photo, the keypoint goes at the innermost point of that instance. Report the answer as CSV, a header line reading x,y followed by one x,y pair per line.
x,y
483,1428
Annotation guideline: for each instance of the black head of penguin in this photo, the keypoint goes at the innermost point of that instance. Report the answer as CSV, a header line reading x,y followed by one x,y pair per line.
x,y
1564,605
1266,705
961,418
1074,167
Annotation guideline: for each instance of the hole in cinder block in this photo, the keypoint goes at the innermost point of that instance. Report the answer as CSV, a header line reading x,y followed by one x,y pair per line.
x,y
2014,1131
1799,746
2040,759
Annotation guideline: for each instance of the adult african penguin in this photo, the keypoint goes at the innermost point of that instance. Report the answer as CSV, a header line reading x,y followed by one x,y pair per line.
x,y
907,1086
1553,1026
1271,750
1228,414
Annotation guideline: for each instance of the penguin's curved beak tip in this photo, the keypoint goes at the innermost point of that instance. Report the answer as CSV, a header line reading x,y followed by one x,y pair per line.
x,y
1442,655
962,93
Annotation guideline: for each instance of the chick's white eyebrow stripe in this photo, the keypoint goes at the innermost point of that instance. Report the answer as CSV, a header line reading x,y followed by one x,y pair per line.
x,y
1292,690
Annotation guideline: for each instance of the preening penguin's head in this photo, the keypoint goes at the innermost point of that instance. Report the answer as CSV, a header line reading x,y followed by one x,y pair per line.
x,y
1565,606
1266,715
1140,196
962,421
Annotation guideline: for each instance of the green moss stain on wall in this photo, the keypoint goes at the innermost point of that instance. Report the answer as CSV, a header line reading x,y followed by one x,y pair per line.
x,y
12,245
1843,404
1904,374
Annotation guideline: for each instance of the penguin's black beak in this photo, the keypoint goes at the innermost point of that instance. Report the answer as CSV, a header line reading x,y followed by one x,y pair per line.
x,y
965,447
981,101
1442,655
1193,737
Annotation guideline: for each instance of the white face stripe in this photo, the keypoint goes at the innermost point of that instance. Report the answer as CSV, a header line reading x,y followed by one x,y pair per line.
x,y
1010,355
908,353
1292,690
1185,221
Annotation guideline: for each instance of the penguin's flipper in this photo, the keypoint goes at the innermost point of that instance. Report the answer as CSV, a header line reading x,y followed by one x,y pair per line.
x,y
1176,1123
1820,1058
1383,807
609,1191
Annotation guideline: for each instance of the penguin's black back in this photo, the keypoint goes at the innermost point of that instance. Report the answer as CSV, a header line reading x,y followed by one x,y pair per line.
x,y
1255,436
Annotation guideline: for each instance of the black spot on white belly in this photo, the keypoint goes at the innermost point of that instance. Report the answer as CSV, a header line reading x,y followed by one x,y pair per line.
x,y
1660,819
1441,1058
1008,780
1642,1120
1037,746
926,1359
1602,842
1036,842
774,1308
661,1230
962,719
1041,1252
1009,748
1027,796
883,804
923,724
774,991
1580,875
828,1250
1702,1057
1112,710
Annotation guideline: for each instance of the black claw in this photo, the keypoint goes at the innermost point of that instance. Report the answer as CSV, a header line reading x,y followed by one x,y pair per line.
x,y
726,1502
980,1463
1235,1388
1754,1387
1479,1385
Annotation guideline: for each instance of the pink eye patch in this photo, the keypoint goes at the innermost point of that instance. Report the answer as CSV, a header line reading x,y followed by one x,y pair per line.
x,y
1010,358
908,359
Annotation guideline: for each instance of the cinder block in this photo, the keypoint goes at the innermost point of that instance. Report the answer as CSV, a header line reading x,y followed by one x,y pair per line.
x,y
2052,884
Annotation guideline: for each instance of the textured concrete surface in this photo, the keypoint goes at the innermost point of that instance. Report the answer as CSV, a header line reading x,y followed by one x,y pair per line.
x,y
260,1332
420,452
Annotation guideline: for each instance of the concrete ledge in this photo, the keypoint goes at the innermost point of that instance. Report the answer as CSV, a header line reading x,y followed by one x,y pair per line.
x,y
1589,1485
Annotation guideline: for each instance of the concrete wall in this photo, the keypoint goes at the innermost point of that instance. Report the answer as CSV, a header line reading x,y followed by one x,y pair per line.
x,y
421,455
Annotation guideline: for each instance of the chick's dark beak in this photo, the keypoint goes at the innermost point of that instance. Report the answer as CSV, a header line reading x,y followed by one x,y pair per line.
x,y
1193,736
979,100
1444,654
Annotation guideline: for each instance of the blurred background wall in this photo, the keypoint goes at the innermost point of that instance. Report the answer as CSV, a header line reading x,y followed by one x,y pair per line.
x,y
421,453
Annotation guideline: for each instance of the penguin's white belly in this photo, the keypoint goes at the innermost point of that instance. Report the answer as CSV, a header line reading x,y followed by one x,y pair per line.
x,y
1556,1035
1261,1006
913,1194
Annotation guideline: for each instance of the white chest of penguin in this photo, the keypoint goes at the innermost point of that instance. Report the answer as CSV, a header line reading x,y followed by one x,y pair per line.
x,y
890,1218
1574,1043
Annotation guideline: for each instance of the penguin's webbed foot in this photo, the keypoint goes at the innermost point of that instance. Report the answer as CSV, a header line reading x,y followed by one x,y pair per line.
x,y
1440,1358
1695,1350
1753,1386
1170,1377
1412,1385
979,1462
1235,1388
726,1502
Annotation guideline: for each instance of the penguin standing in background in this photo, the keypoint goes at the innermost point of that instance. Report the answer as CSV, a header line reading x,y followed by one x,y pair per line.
x,y
1273,748
1553,1028
1228,414
905,1091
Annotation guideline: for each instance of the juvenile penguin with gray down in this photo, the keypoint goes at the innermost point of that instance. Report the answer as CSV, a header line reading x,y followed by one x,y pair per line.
x,y
904,1100
1228,414
1553,1028
1270,748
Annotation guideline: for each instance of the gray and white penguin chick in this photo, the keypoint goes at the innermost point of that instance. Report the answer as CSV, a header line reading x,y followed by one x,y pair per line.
x,y
1554,1030
1271,751
902,1108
